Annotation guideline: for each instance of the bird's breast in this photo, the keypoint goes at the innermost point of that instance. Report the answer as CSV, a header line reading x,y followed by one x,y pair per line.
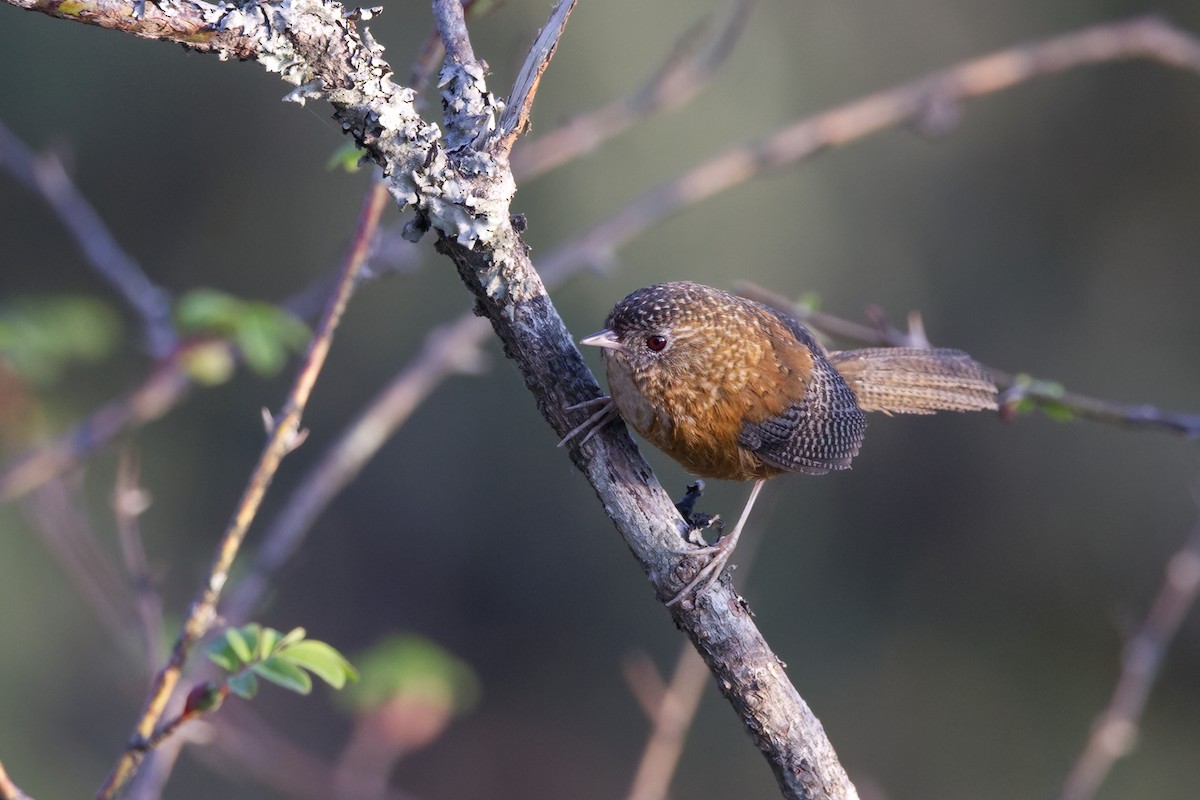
x,y
695,423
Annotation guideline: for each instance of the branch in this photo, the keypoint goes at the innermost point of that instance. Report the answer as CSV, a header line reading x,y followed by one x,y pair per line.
x,y
46,176
1116,729
926,101
166,385
688,69
284,436
516,116
8,789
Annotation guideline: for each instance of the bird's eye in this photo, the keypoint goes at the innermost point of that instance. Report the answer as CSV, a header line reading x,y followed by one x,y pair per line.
x,y
656,342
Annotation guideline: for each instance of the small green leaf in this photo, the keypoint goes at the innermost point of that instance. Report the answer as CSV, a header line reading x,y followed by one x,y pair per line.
x,y
348,157
1057,411
268,643
263,333
241,648
809,302
283,673
221,654
292,636
321,660
41,336
414,666
244,685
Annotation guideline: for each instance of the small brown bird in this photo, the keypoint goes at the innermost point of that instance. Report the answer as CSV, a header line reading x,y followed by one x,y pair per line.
x,y
735,390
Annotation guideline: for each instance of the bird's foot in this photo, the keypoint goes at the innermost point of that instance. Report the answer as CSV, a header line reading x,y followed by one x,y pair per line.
x,y
606,412
710,573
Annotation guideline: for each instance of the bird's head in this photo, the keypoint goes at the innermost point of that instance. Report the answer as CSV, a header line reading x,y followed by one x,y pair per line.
x,y
669,327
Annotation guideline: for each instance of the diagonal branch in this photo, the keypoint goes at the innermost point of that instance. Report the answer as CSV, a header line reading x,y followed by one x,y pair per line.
x,y
1116,729
46,176
516,116
284,436
8,789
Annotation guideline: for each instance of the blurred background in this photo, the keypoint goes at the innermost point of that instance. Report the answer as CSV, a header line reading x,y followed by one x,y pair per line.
x,y
953,609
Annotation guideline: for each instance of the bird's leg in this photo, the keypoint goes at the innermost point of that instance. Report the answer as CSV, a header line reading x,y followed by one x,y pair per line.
x,y
696,521
606,412
720,552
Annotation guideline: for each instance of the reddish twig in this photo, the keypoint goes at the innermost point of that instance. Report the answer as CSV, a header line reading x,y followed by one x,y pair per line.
x,y
282,439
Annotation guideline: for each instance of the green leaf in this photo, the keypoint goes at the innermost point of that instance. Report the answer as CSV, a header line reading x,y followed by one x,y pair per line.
x,y
41,336
263,333
348,157
283,673
268,643
221,654
244,685
413,665
292,636
243,649
321,660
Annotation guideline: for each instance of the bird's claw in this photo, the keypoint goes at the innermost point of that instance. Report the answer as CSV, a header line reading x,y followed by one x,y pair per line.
x,y
710,573
605,413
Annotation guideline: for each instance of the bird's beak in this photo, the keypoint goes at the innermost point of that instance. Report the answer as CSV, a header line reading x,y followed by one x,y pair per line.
x,y
604,338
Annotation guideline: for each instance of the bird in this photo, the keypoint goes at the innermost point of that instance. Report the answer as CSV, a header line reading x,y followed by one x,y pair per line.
x,y
733,389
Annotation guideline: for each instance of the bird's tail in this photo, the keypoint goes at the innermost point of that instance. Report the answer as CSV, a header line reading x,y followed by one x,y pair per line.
x,y
909,380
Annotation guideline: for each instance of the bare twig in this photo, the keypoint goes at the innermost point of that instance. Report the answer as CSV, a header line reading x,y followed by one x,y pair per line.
x,y
68,535
129,501
166,385
671,713
1017,387
281,441
242,741
1115,731
449,349
8,789
516,116
45,175
476,232
689,68
915,102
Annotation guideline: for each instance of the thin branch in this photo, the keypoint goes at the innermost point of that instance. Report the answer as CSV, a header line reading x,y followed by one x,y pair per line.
x,y
476,232
129,502
8,789
516,116
919,101
452,27
1115,731
1047,394
68,536
243,742
449,349
671,715
690,66
282,439
167,384
45,175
